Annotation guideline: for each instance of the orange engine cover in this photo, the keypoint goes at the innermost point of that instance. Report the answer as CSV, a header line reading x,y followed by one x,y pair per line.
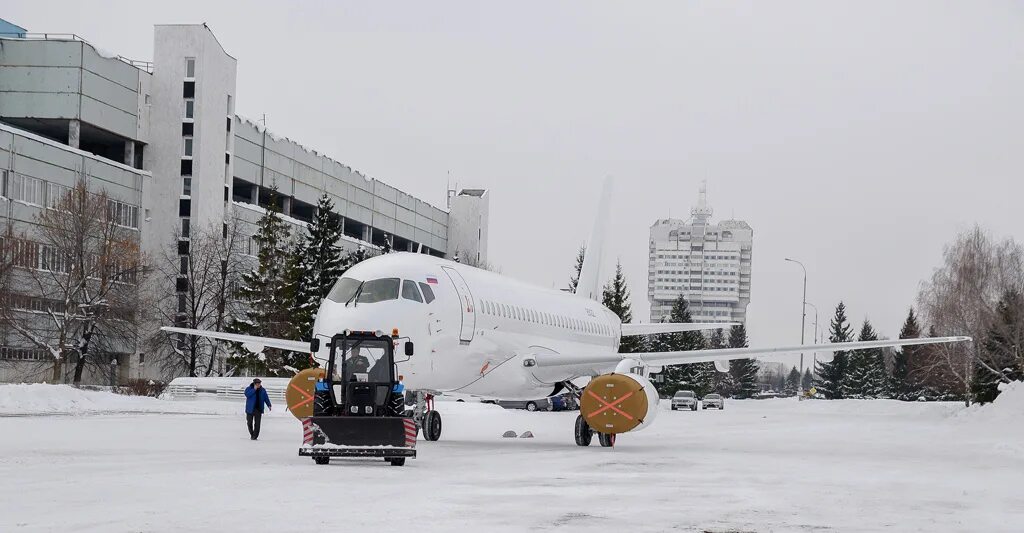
x,y
618,403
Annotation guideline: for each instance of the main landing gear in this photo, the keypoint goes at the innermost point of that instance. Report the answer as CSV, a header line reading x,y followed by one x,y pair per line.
x,y
427,419
583,432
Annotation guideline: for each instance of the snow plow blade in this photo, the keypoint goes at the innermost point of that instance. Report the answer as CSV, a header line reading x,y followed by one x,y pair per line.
x,y
356,436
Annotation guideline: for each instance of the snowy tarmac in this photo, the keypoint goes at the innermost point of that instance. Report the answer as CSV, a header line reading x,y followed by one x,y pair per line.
x,y
771,465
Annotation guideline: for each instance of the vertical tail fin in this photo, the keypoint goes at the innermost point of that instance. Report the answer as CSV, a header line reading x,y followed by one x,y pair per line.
x,y
589,285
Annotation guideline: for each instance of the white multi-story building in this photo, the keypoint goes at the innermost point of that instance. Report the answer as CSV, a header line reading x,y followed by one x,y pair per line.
x,y
162,138
709,264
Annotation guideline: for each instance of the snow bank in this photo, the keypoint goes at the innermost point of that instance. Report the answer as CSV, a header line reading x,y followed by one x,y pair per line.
x,y
41,399
1007,409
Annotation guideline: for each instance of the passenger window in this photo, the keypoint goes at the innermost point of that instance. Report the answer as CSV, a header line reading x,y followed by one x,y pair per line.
x,y
410,292
428,293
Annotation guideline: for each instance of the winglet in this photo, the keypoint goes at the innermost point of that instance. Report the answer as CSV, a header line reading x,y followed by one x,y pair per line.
x,y
589,284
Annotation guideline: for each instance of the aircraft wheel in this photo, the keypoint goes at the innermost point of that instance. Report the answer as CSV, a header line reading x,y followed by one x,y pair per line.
x,y
432,426
397,461
583,432
606,440
322,460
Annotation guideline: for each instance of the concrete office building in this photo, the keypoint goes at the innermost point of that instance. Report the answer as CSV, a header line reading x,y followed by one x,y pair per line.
x,y
709,264
163,138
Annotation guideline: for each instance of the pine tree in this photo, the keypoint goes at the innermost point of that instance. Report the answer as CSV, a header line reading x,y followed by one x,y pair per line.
x,y
792,382
698,377
831,374
320,263
723,381
616,298
865,374
900,384
266,291
743,371
574,279
808,380
1003,359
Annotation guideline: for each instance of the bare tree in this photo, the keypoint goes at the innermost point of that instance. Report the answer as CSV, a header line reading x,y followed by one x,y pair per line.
x,y
83,264
196,291
961,298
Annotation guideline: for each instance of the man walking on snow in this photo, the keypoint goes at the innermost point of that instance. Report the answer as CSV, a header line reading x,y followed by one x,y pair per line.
x,y
255,397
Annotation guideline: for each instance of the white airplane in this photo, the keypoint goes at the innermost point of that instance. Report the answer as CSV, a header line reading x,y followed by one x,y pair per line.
x,y
482,334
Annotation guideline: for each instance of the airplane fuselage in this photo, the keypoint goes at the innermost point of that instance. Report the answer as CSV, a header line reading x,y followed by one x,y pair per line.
x,y
475,332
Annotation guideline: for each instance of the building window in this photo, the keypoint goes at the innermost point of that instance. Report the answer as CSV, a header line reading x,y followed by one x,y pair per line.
x,y
26,189
187,128
190,68
230,108
184,207
55,193
189,90
188,146
184,265
3,183
185,228
190,108
186,167
123,214
186,186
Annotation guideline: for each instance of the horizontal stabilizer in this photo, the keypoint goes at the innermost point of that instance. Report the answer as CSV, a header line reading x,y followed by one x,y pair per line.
x,y
253,344
671,327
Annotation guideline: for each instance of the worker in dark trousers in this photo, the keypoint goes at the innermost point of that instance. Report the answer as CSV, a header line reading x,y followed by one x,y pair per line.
x,y
255,397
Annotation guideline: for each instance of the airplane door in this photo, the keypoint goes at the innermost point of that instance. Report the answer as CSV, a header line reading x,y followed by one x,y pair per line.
x,y
465,302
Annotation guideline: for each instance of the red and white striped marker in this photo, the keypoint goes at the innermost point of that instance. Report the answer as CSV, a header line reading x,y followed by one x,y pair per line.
x,y
307,432
410,432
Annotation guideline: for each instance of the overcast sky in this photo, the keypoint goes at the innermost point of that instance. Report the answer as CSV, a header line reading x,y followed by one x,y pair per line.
x,y
857,137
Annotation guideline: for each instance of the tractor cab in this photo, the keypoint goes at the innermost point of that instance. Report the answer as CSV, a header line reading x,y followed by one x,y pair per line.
x,y
360,376
357,411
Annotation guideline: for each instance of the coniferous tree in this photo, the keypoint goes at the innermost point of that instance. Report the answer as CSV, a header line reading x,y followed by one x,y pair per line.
x,y
866,376
792,382
1004,349
743,371
900,384
697,377
807,381
723,381
320,263
574,279
265,290
831,374
616,298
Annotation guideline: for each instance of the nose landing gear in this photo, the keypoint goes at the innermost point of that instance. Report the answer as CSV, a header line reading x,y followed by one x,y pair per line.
x,y
427,419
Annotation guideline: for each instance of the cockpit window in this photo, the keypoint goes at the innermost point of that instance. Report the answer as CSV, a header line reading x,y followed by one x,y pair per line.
x,y
410,292
377,290
428,293
343,290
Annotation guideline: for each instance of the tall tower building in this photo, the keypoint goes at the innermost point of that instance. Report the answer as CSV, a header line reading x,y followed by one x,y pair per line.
x,y
709,264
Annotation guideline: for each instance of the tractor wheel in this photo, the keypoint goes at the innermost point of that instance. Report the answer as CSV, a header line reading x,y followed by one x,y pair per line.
x,y
397,461
432,426
322,460
607,440
583,432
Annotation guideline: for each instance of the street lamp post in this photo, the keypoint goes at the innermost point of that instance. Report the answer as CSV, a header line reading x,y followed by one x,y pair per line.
x,y
803,320
814,355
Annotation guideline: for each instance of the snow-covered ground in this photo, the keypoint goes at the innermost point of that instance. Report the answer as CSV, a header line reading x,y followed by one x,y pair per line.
x,y
772,465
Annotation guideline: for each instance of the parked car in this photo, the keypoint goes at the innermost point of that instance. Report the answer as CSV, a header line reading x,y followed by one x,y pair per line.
x,y
684,399
714,400
543,404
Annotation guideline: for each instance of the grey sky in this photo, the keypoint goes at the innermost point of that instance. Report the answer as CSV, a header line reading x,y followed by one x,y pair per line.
x,y
857,137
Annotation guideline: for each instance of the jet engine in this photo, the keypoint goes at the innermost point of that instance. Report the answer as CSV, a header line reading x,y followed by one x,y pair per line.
x,y
617,403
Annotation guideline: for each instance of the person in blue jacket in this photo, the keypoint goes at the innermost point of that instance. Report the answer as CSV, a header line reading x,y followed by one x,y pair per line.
x,y
255,397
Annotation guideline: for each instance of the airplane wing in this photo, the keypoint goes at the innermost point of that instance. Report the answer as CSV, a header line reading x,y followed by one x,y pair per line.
x,y
253,344
671,327
725,354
